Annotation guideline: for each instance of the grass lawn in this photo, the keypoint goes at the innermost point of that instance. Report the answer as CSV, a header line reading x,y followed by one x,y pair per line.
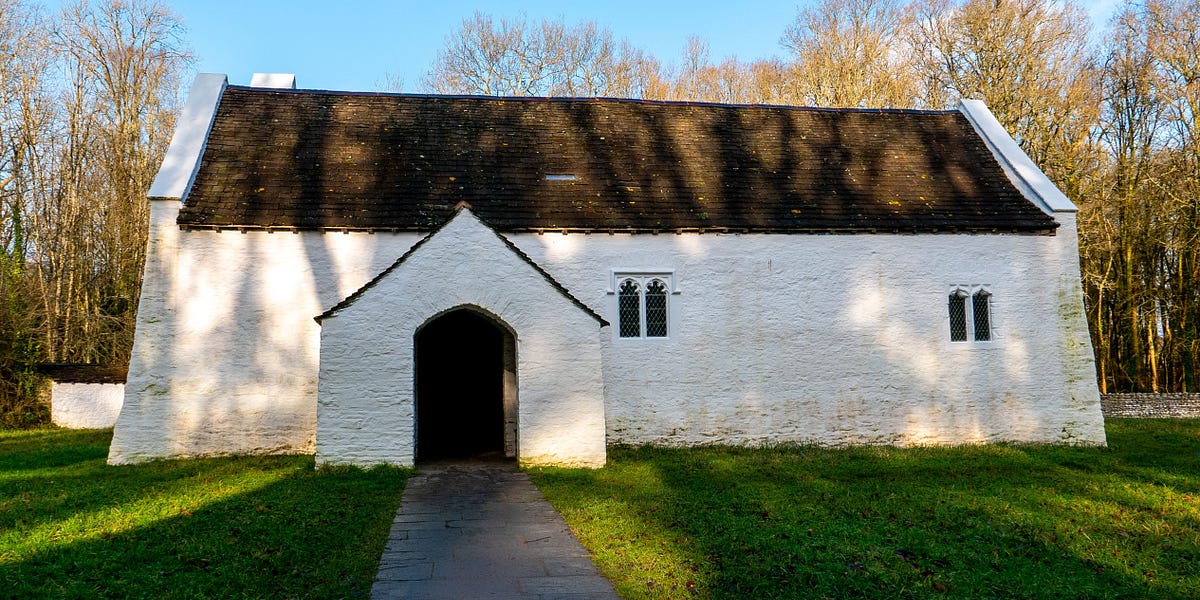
x,y
969,522
71,527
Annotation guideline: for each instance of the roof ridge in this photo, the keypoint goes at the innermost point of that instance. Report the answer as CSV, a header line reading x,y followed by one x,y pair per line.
x,y
615,99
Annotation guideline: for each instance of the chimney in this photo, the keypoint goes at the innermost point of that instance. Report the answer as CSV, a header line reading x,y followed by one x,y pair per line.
x,y
276,81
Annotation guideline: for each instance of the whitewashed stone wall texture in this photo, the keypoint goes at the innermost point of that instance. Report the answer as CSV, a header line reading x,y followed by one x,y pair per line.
x,y
840,339
365,409
830,339
85,405
226,350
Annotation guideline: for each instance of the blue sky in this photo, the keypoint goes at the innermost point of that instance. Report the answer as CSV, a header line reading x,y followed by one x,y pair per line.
x,y
354,44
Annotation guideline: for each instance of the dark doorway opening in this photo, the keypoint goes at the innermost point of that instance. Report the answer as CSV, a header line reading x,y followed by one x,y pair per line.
x,y
466,392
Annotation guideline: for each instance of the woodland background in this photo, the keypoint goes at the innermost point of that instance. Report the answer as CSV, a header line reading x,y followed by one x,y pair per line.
x,y
1110,111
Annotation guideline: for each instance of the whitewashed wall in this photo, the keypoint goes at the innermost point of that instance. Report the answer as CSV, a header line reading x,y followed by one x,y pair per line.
x,y
820,338
85,405
365,410
226,350
839,339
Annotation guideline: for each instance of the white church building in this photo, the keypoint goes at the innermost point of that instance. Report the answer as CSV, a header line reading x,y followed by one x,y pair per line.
x,y
395,278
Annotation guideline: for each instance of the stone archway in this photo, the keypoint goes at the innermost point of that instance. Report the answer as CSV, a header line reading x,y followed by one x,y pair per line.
x,y
465,384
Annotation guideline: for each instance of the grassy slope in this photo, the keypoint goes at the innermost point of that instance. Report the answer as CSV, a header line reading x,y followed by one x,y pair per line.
x,y
968,522
71,527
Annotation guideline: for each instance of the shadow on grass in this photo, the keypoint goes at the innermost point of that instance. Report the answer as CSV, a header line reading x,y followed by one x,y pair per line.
x,y
35,449
970,522
72,527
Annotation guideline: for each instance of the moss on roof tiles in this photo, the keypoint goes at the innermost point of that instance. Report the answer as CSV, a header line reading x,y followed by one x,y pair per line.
x,y
310,160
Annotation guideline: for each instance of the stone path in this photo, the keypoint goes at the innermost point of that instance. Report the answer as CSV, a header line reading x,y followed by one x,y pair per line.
x,y
483,531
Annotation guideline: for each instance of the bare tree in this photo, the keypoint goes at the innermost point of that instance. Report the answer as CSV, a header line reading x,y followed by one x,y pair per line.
x,y
635,74
1139,234
516,57
87,99
24,121
1028,59
484,57
120,64
1174,38
1114,222
851,53
23,113
697,78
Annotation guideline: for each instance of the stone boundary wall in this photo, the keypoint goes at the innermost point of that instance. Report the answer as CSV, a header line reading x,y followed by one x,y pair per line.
x,y
1182,406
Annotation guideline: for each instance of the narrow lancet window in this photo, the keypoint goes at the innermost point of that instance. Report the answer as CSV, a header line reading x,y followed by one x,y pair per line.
x,y
656,309
981,307
958,316
629,309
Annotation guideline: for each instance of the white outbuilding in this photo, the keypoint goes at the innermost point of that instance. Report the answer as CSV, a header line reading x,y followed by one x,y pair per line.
x,y
395,278
84,396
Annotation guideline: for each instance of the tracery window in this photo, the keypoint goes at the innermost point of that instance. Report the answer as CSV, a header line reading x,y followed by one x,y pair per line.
x,y
629,305
642,306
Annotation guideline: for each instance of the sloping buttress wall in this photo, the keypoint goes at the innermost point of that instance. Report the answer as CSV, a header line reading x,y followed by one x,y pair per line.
x,y
225,350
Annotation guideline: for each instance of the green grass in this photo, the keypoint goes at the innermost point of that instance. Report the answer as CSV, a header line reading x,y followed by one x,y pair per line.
x,y
257,527
968,522
995,521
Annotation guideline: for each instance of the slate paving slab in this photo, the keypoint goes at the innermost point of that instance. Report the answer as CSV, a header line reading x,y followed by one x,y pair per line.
x,y
482,530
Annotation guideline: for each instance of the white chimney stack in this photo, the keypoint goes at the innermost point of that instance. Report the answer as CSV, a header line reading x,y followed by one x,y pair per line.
x,y
277,81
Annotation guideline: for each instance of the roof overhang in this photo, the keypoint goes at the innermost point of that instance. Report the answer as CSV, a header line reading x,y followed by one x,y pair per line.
x,y
1021,170
182,160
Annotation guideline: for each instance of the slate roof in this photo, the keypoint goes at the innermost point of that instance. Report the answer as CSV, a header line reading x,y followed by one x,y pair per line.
x,y
83,373
317,160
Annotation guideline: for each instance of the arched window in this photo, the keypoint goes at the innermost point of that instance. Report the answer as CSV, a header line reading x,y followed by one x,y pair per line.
x,y
629,307
958,315
981,305
656,309
970,308
642,303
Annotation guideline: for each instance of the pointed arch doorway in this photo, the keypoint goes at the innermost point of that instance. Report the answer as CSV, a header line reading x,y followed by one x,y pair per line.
x,y
466,388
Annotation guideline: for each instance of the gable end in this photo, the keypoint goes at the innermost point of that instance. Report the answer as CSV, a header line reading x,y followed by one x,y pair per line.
x,y
463,207
1017,165
192,131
